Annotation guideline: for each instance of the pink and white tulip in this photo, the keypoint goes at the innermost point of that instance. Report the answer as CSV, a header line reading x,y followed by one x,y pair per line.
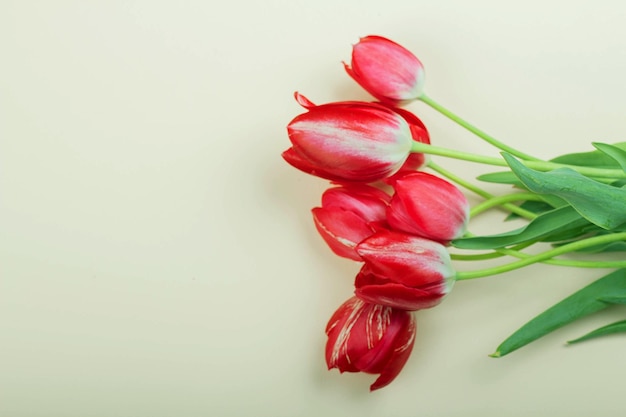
x,y
348,141
403,271
370,338
428,206
348,215
388,71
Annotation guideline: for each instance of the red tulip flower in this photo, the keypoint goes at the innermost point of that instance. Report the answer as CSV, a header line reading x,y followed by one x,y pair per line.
x,y
386,70
403,271
370,338
348,141
428,206
348,215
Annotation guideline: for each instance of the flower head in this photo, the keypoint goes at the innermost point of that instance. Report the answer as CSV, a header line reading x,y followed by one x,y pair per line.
x,y
403,271
370,338
428,206
348,141
386,70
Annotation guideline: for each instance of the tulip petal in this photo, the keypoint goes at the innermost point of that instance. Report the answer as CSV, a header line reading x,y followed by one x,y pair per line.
x,y
428,206
370,203
383,327
342,230
304,165
400,296
303,101
401,352
339,333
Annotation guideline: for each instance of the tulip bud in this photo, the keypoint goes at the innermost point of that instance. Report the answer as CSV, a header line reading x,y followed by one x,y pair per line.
x,y
348,215
403,271
370,338
348,141
386,70
428,206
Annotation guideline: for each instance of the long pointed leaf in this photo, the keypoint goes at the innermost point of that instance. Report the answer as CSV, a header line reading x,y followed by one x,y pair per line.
x,y
554,221
619,155
617,327
505,177
592,298
590,159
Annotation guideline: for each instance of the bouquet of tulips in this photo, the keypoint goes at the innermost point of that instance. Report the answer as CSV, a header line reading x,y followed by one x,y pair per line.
x,y
406,226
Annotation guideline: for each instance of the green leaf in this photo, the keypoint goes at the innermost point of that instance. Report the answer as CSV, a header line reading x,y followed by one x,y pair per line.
x,y
592,298
614,299
506,177
619,155
569,235
617,327
599,203
551,222
620,183
596,159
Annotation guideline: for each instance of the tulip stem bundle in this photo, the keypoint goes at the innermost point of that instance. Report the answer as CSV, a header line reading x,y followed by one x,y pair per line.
x,y
571,247
404,226
602,173
502,200
487,138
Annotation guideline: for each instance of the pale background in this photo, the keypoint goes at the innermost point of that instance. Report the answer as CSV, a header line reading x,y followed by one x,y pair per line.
x,y
157,256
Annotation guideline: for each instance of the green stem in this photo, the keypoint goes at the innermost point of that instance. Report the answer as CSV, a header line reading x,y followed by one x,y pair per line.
x,y
461,181
537,165
581,244
503,199
568,262
487,138
557,262
489,255
479,191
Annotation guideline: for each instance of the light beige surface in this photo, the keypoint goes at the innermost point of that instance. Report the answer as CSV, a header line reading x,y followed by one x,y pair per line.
x,y
157,257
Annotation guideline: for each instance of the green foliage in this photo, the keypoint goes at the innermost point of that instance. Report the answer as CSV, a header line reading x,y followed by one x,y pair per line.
x,y
614,152
617,327
542,227
596,159
601,204
608,290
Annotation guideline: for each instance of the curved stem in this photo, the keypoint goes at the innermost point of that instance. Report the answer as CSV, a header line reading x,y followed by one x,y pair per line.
x,y
537,165
479,191
489,255
557,262
568,262
461,181
503,199
581,244
487,138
